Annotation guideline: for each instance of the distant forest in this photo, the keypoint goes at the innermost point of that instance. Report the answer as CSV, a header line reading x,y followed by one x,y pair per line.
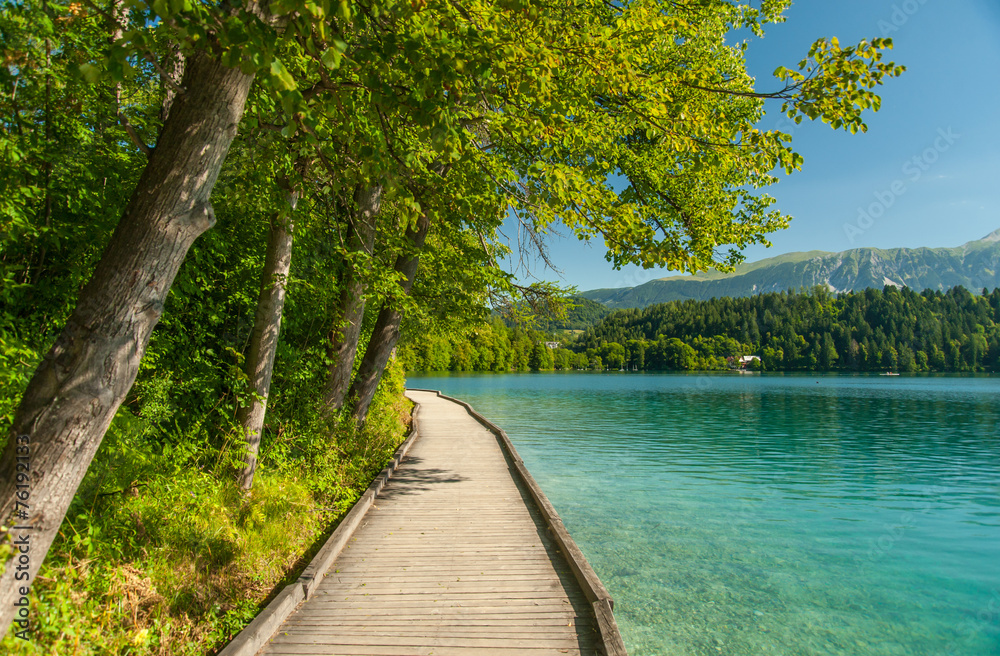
x,y
871,330
581,313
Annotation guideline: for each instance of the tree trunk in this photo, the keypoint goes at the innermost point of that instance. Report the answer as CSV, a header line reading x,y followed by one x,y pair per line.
x,y
84,377
264,339
344,337
386,332
173,72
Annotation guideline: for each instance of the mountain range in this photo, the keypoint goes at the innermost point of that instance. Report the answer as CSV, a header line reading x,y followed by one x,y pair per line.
x,y
974,265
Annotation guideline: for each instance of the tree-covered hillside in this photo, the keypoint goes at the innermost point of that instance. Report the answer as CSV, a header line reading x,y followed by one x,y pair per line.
x,y
867,331
872,330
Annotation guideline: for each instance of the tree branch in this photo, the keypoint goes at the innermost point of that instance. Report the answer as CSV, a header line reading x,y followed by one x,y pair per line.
x,y
134,135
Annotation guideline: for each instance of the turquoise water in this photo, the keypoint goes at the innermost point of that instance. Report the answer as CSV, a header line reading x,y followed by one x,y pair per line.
x,y
772,514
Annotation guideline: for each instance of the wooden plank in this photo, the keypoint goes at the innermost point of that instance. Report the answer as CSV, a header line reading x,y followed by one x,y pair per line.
x,y
471,561
515,617
496,582
445,626
384,650
497,642
533,597
442,578
459,569
456,635
515,614
492,586
471,567
608,628
418,600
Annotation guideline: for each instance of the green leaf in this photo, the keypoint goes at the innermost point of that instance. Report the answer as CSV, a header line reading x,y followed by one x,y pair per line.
x,y
344,10
331,58
91,73
281,74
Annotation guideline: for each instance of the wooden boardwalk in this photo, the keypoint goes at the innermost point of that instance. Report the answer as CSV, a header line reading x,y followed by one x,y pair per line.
x,y
456,557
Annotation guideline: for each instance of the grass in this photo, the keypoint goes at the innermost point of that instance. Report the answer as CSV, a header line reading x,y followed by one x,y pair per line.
x,y
161,553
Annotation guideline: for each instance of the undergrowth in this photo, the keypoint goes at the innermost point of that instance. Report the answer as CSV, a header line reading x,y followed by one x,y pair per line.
x,y
161,554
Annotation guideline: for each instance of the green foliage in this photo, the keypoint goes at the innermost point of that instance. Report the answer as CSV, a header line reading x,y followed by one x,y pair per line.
x,y
836,84
66,166
18,358
872,330
579,314
491,347
161,553
541,358
494,347
459,113
538,109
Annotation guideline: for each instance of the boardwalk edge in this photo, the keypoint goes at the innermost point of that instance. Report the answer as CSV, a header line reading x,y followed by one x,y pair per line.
x,y
598,596
251,639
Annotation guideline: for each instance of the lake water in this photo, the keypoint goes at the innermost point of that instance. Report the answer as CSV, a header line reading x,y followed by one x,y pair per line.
x,y
770,514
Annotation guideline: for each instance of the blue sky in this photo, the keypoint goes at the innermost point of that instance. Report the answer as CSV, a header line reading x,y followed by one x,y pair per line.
x,y
943,111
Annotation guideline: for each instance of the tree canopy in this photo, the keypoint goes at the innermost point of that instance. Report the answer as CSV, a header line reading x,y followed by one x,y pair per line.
x,y
362,157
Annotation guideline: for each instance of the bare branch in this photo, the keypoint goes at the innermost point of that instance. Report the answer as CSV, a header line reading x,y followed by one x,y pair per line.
x,y
134,135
